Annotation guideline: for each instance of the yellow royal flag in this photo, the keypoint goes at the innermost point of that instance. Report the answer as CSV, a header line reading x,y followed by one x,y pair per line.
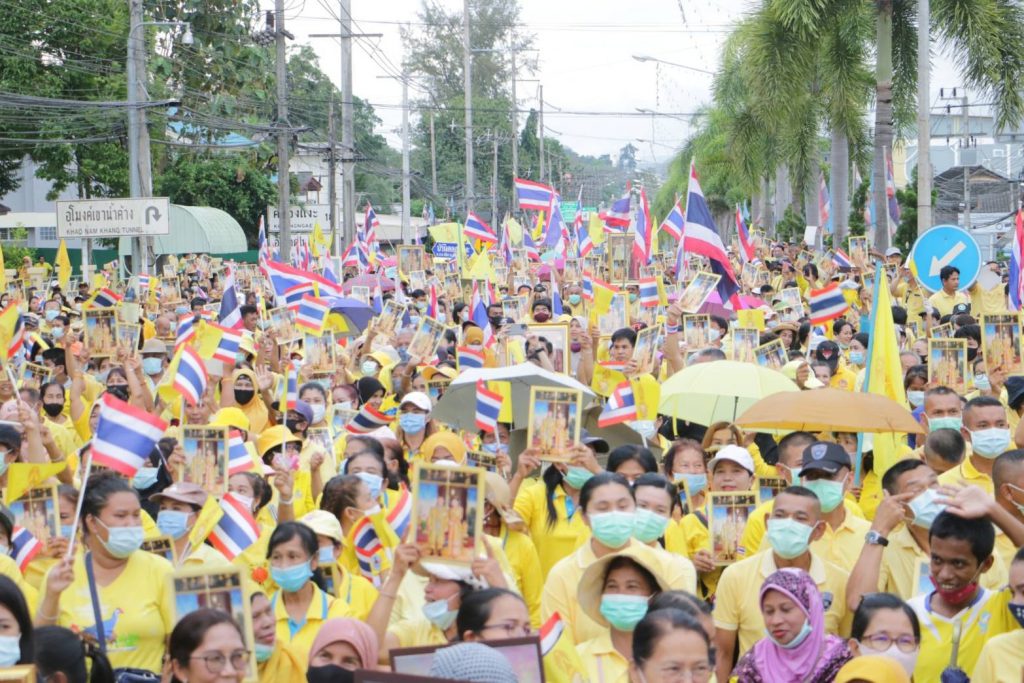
x,y
207,340
538,230
205,522
751,318
505,389
63,266
8,325
22,476
318,241
603,297
595,228
883,374
515,231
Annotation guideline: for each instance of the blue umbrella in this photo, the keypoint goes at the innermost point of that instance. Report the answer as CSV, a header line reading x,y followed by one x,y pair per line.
x,y
356,314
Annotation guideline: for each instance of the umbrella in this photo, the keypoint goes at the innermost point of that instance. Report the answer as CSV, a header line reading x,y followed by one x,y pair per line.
x,y
714,306
617,434
836,410
719,391
368,280
355,313
457,407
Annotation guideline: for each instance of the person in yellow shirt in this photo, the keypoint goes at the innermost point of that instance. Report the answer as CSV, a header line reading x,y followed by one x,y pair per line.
x,y
796,521
986,430
355,590
655,498
275,661
1008,491
646,389
300,605
179,506
946,298
999,661
668,640
347,498
840,377
279,448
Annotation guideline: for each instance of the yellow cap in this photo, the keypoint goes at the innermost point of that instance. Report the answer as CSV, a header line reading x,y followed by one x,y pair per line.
x,y
231,417
872,668
247,344
272,437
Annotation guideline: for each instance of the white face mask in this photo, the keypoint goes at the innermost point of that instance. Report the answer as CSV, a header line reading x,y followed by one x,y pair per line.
x,y
319,409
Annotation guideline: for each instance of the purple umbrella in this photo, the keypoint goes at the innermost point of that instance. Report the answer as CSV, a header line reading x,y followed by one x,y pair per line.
x,y
714,306
368,280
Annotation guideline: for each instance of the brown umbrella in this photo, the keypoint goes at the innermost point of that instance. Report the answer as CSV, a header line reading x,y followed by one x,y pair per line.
x,y
830,410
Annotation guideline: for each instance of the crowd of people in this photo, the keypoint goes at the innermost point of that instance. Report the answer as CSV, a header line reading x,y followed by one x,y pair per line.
x,y
842,573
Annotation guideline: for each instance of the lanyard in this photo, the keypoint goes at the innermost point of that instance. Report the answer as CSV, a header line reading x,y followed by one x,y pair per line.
x,y
570,508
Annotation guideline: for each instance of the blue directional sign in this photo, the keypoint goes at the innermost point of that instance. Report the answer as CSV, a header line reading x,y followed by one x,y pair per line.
x,y
445,250
945,245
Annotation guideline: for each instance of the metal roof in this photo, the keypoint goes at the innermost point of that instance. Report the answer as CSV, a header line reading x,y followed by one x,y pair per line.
x,y
196,229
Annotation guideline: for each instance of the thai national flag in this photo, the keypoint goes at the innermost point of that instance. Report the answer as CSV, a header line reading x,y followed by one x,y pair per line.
x,y
621,406
674,222
550,632
701,237
282,277
401,513
186,330
588,286
293,295
238,454
642,235
841,259
533,196
350,258
747,252
312,313
649,297
291,387
367,545
476,228
367,420
190,380
1016,264
432,309
488,407
227,346
556,299
264,246
585,243
618,215
104,298
230,309
530,246
827,303
505,247
555,227
370,225
24,546
466,357
237,528
125,436
145,282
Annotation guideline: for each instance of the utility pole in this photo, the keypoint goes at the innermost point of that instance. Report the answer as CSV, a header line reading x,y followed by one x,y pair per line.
x,y
332,181
406,199
515,133
467,85
348,146
140,174
963,162
494,184
283,187
924,162
433,158
540,130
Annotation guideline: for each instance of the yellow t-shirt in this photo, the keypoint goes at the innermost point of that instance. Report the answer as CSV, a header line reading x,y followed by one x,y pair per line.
x,y
300,635
9,568
967,472
283,665
204,556
738,606
698,538
944,303
559,540
525,564
646,389
987,302
417,633
136,607
356,591
604,663
1000,659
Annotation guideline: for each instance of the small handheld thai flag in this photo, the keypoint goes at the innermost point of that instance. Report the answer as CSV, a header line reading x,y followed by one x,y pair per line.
x,y
617,215
294,295
291,387
367,420
475,228
1017,263
190,380
649,292
614,365
125,436
532,252
367,545
228,344
550,632
145,283
488,407
621,406
674,222
238,454
466,357
237,528
533,196
643,226
432,309
312,314
746,244
841,259
104,298
827,304
186,330
24,546
585,244
230,314
401,514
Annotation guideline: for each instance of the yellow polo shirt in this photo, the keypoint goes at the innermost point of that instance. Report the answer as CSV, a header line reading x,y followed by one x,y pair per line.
x,y
738,604
568,531
967,472
754,531
603,662
356,591
1000,660
300,635
525,564
944,303
417,633
987,302
986,618
698,538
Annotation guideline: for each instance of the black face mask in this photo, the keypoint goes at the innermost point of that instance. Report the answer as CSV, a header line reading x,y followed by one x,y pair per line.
x,y
119,390
243,396
971,355
293,426
495,321
332,673
53,409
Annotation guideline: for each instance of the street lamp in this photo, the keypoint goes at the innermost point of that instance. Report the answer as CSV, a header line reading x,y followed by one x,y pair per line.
x,y
648,58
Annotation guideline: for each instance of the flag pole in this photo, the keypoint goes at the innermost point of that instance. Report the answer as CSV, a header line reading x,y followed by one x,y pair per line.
x,y
78,508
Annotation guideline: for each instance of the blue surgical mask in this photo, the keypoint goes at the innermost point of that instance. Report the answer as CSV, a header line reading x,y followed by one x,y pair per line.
x,y
916,398
3,463
649,526
123,540
857,357
173,523
613,529
981,382
945,423
788,537
325,556
292,578
240,358
990,443
576,477
623,612
57,332
374,482
262,652
101,377
51,314
412,423
182,310
10,651
368,367
438,614
695,483
805,631
152,366
925,508
144,478
574,299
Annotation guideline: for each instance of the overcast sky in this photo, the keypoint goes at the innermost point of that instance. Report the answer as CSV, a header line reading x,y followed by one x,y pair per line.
x,y
586,63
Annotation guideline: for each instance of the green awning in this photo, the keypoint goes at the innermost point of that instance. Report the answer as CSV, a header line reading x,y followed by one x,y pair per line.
x,y
196,229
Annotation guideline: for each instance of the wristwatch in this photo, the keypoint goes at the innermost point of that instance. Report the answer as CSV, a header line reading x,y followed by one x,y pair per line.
x,y
875,538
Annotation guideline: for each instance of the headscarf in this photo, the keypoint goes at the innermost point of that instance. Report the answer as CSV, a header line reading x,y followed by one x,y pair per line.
x,y
357,634
449,440
472,662
367,387
255,409
817,655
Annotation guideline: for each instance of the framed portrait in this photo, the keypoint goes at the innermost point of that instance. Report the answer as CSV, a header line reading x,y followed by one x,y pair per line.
x,y
729,512
34,376
791,296
169,290
558,335
390,318
128,336
648,315
488,461
858,250
319,353
944,331
447,513
513,308
618,249
417,280
698,291
947,364
771,355
321,436
206,458
361,293
1000,341
554,421
646,349
282,320
436,387
340,417
38,511
168,271
523,654
426,339
411,258
571,271
220,588
769,487
617,315
162,546
697,331
99,334
22,673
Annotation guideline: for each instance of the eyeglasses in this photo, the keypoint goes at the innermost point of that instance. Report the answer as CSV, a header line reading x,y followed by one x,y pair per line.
x,y
215,661
882,641
511,630
677,673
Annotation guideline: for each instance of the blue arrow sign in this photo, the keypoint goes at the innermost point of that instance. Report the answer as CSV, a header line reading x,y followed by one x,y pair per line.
x,y
445,250
945,245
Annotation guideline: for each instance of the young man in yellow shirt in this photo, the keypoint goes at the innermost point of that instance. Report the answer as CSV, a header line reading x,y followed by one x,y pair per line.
x,y
987,431
1000,661
946,298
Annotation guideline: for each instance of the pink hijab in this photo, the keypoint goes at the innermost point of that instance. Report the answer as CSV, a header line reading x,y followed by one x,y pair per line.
x,y
355,633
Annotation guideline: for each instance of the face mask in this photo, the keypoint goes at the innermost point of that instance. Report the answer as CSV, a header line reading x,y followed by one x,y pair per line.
x,y
412,423
541,316
123,540
906,660
118,390
788,538
10,651
53,409
981,382
990,443
370,512
172,523
152,366
960,595
442,318
613,529
330,673
644,428
575,347
182,310
830,493
372,481
495,321
239,359
574,299
925,508
246,501
438,614
262,652
632,297
857,357
971,354
343,405
649,526
51,314
576,477
368,367
57,332
623,612
944,422
144,478
1017,610
916,398
325,555
243,396
805,631
319,410
293,426
414,320
101,377
695,483
713,335
292,578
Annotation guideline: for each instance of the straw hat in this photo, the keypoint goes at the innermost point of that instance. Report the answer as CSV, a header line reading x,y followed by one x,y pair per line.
x,y
592,583
498,494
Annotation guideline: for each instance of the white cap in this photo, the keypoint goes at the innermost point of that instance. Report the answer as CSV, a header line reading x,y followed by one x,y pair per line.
x,y
737,454
418,399
893,251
